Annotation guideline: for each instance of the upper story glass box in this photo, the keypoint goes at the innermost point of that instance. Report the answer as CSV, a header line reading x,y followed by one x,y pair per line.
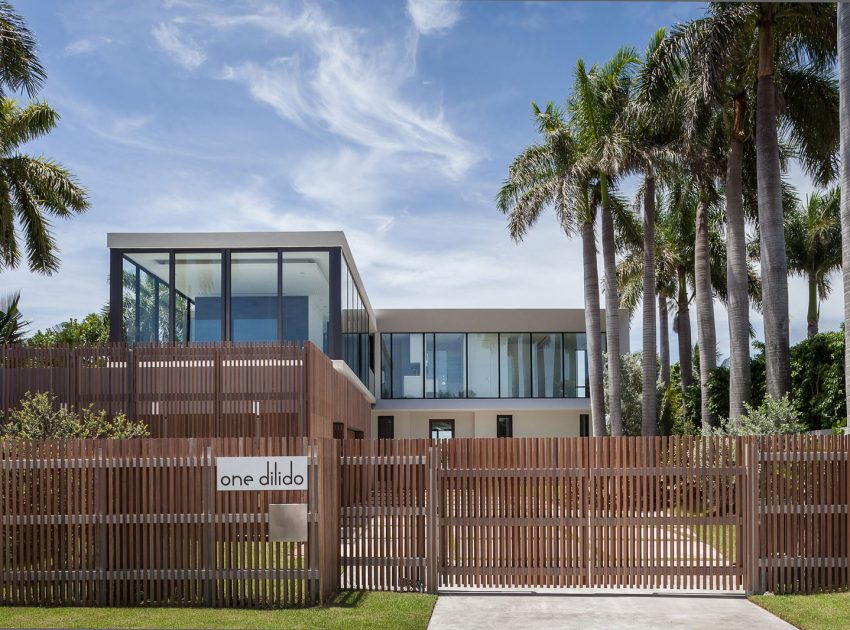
x,y
242,287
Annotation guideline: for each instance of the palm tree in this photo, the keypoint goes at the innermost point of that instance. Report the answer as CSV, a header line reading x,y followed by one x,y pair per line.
x,y
549,174
30,188
20,68
12,325
598,112
631,278
813,238
743,53
844,115
652,133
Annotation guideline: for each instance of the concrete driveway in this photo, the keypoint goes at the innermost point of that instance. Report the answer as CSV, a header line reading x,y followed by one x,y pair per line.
x,y
534,611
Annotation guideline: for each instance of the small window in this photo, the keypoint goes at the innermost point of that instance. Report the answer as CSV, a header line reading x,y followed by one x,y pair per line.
x,y
504,426
339,430
441,429
584,425
386,427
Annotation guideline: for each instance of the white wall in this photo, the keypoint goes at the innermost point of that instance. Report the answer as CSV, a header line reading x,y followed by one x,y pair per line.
x,y
482,423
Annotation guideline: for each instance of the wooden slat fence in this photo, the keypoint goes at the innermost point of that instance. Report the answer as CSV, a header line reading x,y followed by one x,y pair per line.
x,y
139,522
683,513
201,390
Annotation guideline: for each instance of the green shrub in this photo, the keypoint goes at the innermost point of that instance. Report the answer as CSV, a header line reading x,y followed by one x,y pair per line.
x,y
775,416
93,329
38,418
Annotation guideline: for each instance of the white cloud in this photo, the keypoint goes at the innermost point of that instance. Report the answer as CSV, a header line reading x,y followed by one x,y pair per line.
x,y
433,16
79,47
277,83
85,46
348,86
183,50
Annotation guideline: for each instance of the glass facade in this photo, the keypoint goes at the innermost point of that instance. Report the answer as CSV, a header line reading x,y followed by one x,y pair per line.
x,y
198,277
515,365
254,304
484,365
145,297
356,346
306,297
242,296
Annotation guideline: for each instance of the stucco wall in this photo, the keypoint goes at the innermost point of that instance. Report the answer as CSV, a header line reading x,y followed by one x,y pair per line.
x,y
526,422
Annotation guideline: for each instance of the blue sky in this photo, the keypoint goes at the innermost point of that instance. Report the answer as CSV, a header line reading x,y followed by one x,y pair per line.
x,y
393,121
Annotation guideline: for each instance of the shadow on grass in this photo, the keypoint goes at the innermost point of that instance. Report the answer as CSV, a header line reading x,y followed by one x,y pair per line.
x,y
347,599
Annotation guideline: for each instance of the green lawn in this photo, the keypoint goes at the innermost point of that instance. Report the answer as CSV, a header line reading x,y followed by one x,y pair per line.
x,y
349,609
824,611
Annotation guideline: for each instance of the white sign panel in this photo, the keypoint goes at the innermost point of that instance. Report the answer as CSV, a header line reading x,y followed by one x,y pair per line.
x,y
261,473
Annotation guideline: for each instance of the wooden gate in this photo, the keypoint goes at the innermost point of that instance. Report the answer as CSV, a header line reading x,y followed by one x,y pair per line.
x,y
719,514
663,513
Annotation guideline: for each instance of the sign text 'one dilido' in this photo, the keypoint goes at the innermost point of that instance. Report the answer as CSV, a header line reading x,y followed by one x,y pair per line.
x,y
261,473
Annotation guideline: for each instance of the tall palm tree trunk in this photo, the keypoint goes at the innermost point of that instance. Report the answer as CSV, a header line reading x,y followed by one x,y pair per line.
x,y
649,362
705,311
593,326
812,315
844,114
664,339
740,388
612,314
683,332
774,264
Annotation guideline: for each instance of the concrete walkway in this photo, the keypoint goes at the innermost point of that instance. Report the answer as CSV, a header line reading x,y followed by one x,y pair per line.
x,y
536,611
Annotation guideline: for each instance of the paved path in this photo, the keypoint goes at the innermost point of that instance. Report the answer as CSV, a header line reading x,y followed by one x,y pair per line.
x,y
536,611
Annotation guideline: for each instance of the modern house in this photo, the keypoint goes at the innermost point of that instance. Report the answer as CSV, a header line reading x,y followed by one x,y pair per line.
x,y
428,372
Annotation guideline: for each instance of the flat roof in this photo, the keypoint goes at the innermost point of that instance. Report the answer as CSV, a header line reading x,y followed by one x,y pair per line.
x,y
240,240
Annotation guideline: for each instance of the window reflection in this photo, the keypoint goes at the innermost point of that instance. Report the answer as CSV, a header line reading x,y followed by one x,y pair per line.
x,y
547,365
515,365
198,278
483,365
449,365
253,291
145,295
480,365
306,294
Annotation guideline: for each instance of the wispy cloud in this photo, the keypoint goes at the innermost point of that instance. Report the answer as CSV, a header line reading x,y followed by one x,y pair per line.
x,y
433,16
348,85
85,45
181,48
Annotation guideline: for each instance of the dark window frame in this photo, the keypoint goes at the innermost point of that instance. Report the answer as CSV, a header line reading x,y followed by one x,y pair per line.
x,y
431,422
391,427
508,419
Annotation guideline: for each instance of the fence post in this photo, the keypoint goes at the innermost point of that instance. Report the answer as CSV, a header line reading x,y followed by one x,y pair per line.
x,y
752,517
207,543
432,520
100,549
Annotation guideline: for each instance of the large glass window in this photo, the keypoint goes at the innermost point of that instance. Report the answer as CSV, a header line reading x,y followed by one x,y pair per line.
x,y
386,366
145,292
306,295
515,365
575,365
355,327
483,349
198,280
253,302
477,365
407,369
450,365
547,365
